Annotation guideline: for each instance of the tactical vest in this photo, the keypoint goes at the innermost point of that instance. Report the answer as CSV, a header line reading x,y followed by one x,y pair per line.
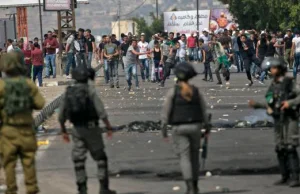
x,y
278,93
183,111
80,106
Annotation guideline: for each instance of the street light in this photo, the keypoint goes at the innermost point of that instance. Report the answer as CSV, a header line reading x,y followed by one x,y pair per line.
x,y
197,5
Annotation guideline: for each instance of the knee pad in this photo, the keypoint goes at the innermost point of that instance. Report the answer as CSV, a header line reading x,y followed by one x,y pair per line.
x,y
291,149
280,149
99,155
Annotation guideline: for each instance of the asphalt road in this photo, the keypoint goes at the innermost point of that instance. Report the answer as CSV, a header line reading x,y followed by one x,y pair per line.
x,y
240,160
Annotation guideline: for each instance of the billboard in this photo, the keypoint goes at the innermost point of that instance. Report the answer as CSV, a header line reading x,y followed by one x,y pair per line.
x,y
22,3
221,19
185,22
57,5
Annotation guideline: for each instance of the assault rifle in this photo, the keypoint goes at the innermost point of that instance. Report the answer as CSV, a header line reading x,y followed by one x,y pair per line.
x,y
205,143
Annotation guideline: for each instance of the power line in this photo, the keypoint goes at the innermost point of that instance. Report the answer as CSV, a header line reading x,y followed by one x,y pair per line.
x,y
135,8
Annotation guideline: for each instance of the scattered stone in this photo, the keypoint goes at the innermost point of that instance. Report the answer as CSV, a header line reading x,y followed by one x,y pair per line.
x,y
176,188
242,124
208,174
211,106
118,175
149,141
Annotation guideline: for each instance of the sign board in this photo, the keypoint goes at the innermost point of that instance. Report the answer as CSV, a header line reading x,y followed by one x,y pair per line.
x,y
57,5
185,22
27,3
221,19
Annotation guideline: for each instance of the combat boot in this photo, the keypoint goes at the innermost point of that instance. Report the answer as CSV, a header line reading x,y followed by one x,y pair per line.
x,y
283,166
189,186
192,187
104,187
195,187
82,188
294,167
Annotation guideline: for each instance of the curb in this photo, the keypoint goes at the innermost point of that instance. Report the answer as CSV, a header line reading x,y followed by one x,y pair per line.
x,y
48,110
58,83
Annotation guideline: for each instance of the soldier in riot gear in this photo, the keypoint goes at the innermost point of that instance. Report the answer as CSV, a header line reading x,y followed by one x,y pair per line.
x,y
282,103
82,107
185,110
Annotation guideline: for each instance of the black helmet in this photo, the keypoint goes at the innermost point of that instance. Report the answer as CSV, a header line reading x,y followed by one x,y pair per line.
x,y
185,71
80,74
279,62
92,73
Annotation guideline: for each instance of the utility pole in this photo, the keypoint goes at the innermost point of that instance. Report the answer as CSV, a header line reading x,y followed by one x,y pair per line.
x,y
119,19
15,25
197,5
157,9
41,23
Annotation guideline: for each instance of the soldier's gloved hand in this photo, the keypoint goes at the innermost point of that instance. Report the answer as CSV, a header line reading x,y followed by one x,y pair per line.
x,y
285,105
166,139
109,133
251,103
66,137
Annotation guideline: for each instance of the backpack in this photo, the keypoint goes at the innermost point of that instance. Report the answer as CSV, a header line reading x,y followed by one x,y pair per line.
x,y
80,108
17,98
76,45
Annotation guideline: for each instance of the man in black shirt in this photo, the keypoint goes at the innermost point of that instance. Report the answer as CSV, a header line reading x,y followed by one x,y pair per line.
x,y
81,48
90,41
288,42
114,40
124,47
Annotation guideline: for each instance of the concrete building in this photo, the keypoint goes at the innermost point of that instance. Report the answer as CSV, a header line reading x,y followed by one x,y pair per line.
x,y
125,26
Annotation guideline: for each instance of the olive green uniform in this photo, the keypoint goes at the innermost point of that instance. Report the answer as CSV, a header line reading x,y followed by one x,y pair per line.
x,y
18,140
286,124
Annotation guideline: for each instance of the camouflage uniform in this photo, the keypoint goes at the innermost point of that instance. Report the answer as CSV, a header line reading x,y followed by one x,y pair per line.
x,y
286,127
88,138
17,133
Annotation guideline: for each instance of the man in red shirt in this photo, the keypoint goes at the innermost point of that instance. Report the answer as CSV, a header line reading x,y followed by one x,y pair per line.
x,y
37,62
51,45
192,47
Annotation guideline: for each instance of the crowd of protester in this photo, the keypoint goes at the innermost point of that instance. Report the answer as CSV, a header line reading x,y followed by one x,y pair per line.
x,y
243,50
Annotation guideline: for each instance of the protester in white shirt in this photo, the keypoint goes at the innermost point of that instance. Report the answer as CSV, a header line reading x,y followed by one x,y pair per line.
x,y
144,62
295,52
10,47
182,49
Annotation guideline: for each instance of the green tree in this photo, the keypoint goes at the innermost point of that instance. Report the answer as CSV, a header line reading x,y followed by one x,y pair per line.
x,y
156,26
261,14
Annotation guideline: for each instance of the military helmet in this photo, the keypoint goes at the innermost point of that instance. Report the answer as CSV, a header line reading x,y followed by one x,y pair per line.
x,y
92,73
185,71
80,74
11,64
269,62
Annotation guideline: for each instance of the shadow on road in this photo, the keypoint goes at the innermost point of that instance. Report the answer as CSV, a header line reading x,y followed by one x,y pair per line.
x,y
219,192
